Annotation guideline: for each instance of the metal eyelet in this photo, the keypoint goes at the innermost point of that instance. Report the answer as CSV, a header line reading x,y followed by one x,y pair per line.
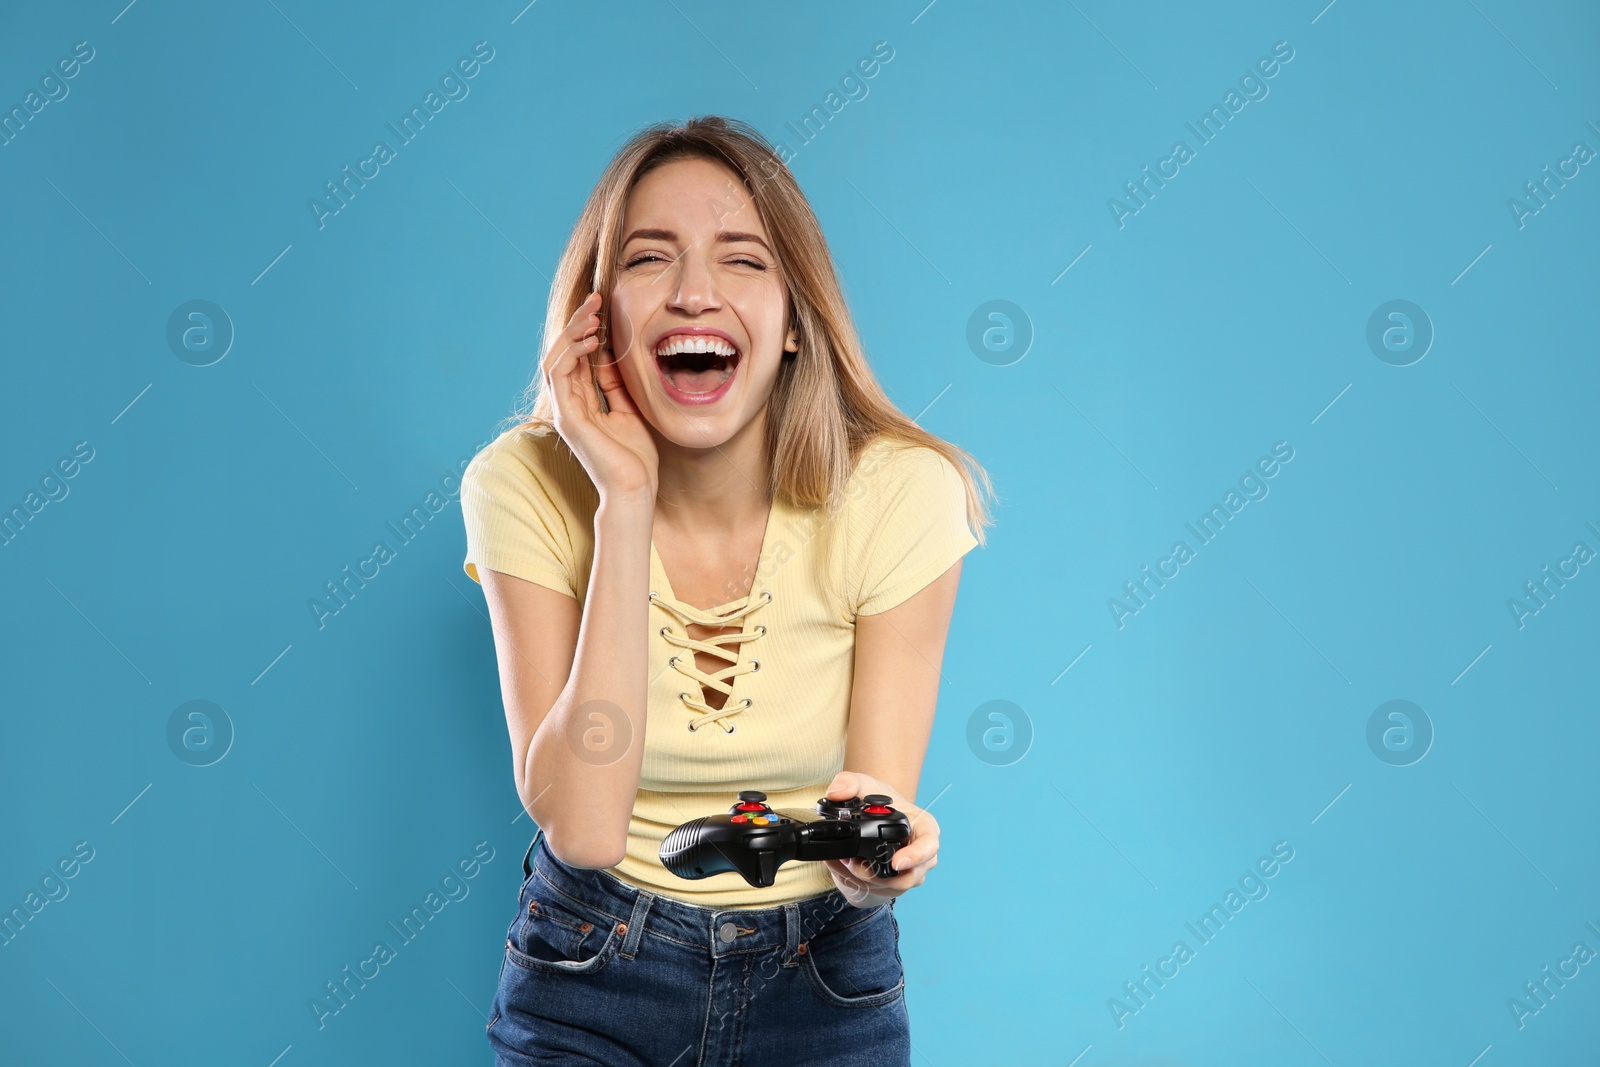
x,y
673,662
690,725
755,665
762,628
663,630
732,728
768,592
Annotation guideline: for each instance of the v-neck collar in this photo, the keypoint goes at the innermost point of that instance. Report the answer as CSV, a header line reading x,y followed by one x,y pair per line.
x,y
663,585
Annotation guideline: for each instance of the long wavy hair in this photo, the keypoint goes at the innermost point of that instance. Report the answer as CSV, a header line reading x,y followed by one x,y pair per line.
x,y
826,405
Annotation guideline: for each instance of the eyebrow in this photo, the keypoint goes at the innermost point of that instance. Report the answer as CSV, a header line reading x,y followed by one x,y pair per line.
x,y
723,237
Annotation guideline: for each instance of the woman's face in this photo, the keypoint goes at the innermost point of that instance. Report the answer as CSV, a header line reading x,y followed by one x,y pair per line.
x,y
698,312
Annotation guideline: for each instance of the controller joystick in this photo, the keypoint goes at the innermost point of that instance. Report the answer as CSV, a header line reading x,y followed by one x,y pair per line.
x,y
839,809
750,800
754,840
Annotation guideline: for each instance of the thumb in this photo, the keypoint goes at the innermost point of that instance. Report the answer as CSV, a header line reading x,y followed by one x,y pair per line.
x,y
844,785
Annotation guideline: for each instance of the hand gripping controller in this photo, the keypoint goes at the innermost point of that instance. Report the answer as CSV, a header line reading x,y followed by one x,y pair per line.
x,y
754,840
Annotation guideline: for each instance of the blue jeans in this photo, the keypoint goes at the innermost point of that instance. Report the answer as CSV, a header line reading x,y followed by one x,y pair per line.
x,y
598,971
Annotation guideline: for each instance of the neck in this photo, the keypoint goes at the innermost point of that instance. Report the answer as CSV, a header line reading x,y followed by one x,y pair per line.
x,y
720,488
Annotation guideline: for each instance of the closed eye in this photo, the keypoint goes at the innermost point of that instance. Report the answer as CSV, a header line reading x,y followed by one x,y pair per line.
x,y
648,257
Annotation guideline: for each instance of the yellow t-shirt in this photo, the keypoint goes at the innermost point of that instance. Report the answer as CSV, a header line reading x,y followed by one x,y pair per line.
x,y
529,506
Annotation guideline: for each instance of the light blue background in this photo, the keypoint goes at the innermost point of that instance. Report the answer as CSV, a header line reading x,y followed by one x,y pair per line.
x,y
1228,314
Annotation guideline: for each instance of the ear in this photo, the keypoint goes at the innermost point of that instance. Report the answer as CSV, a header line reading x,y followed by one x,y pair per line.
x,y
793,343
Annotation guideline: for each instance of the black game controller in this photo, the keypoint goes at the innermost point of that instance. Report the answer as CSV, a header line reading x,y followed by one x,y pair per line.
x,y
754,840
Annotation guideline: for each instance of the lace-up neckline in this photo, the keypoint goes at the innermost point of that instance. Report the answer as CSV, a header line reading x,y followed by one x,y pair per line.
x,y
732,613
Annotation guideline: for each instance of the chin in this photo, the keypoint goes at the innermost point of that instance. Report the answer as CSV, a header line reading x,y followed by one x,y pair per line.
x,y
689,429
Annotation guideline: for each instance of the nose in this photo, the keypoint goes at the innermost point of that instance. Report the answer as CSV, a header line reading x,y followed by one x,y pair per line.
x,y
695,291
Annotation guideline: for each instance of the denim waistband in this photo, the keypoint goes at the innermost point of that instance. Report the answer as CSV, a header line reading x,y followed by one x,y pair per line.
x,y
720,931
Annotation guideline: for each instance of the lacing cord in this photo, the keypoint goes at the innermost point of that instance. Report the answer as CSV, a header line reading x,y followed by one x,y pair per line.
x,y
720,681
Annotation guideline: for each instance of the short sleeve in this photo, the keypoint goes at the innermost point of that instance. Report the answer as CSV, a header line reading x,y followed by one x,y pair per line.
x,y
912,527
513,522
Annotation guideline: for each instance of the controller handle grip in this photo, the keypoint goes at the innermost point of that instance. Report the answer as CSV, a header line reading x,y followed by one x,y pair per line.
x,y
681,856
882,869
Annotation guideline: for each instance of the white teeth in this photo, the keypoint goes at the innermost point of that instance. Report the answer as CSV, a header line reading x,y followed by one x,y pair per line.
x,y
680,344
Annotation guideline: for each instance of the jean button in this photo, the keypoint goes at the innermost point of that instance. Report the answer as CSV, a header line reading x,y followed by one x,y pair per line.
x,y
727,932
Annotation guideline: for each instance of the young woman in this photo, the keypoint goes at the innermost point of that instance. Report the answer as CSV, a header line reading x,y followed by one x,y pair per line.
x,y
716,558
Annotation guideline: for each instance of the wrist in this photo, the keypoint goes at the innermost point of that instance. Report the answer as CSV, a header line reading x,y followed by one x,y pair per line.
x,y
630,508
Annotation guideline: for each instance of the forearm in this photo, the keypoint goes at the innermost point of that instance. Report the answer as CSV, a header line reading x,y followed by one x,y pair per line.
x,y
586,756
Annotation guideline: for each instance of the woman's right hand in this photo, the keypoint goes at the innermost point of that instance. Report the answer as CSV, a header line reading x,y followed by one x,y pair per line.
x,y
616,446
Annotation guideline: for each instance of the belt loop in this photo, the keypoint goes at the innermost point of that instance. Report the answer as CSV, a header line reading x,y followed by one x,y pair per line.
x,y
791,922
527,864
641,908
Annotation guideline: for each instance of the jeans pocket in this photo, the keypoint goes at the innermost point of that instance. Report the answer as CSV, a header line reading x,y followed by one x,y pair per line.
x,y
557,935
858,965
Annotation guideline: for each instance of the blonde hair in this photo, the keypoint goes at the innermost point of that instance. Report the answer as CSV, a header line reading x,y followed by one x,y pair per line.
x,y
826,405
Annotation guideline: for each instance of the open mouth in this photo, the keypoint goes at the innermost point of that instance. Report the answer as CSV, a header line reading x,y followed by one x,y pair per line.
x,y
696,365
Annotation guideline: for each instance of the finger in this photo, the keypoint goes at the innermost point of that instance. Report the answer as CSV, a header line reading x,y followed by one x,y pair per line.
x,y
585,318
591,323
576,332
897,878
854,872
572,384
845,785
609,376
555,361
914,853
872,877
845,877
913,864
590,305
861,870
580,379
559,364
856,891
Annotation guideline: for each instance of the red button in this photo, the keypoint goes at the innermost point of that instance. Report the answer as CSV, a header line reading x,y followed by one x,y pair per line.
x,y
876,809
741,818
750,805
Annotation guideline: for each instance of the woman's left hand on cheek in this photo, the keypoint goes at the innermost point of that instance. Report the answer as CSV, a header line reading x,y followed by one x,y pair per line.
x,y
911,861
